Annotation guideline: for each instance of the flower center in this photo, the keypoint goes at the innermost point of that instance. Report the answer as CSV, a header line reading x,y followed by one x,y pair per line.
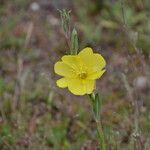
x,y
82,75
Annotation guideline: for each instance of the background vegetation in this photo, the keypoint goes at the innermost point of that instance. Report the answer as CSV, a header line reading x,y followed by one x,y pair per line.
x,y
35,114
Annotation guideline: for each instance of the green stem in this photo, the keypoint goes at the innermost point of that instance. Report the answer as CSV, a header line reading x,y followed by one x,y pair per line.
x,y
100,135
96,110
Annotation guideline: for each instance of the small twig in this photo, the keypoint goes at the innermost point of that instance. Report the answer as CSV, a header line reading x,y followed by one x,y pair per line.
x,y
128,88
18,87
29,34
67,37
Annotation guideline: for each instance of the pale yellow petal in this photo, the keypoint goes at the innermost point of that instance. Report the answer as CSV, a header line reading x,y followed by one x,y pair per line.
x,y
76,86
93,61
80,87
61,83
63,69
86,52
72,61
99,61
89,85
96,75
69,59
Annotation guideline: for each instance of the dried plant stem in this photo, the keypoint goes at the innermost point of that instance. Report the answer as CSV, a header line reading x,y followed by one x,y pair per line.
x,y
2,110
18,87
136,114
137,50
123,14
67,37
66,25
136,138
29,34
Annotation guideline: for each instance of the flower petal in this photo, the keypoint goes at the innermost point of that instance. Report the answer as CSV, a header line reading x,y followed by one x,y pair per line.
x,y
76,86
63,69
61,83
80,87
96,75
72,61
98,61
89,85
86,52
93,61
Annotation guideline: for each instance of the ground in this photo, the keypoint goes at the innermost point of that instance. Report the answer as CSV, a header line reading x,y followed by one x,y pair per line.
x,y
35,113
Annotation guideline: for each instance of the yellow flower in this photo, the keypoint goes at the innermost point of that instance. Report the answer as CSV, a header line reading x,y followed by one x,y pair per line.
x,y
80,71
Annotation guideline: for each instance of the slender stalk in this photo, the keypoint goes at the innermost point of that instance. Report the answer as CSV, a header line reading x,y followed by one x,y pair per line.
x,y
123,13
100,135
136,138
2,110
96,111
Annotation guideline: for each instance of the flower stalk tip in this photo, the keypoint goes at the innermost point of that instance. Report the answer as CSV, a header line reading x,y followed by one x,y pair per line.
x,y
74,42
65,20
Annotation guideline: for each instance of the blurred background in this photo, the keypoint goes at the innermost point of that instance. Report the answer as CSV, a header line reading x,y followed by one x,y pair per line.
x,y
34,113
